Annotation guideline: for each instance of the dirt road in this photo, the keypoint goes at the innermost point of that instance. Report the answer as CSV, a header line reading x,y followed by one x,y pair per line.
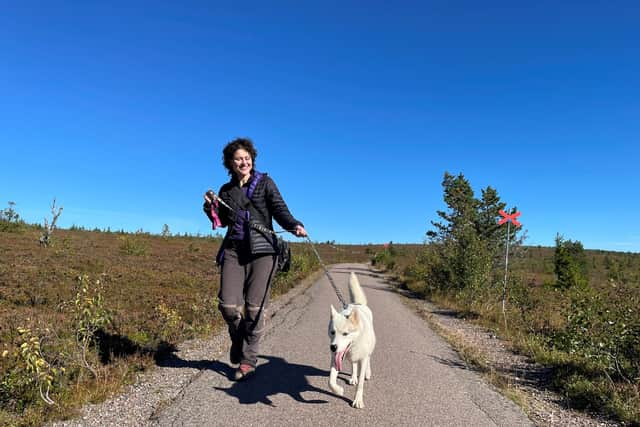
x,y
417,379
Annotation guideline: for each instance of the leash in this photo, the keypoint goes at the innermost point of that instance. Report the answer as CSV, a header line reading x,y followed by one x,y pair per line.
x,y
326,271
263,229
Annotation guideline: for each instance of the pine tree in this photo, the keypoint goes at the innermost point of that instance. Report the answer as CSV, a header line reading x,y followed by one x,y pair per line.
x,y
458,196
488,216
463,258
570,264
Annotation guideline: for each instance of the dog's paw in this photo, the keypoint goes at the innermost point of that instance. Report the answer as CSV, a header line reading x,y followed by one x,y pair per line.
x,y
353,380
339,390
358,403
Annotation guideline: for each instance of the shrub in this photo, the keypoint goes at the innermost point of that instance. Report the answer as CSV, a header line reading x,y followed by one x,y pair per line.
x,y
606,336
89,316
170,321
31,368
10,220
386,258
133,246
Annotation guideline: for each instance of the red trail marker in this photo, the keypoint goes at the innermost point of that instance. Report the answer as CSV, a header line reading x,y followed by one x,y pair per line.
x,y
509,217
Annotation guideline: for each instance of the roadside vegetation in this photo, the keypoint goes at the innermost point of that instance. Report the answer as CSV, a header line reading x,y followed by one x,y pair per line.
x,y
576,311
83,315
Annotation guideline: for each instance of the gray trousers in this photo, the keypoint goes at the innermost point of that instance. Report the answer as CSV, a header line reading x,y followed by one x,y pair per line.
x,y
244,297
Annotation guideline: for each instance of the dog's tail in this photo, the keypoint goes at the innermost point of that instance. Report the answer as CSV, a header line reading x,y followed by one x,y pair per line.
x,y
355,290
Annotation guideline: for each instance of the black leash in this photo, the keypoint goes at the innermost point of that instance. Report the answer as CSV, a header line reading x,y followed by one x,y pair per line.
x,y
326,271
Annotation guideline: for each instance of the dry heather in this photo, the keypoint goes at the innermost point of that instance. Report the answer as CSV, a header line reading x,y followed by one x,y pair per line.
x,y
80,318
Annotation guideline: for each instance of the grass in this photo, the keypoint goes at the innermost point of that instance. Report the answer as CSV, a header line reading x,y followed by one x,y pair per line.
x,y
156,291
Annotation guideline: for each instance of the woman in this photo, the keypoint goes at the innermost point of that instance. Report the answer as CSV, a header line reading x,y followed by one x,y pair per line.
x,y
246,276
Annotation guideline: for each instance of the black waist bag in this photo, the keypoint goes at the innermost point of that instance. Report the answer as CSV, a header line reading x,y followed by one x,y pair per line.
x,y
284,255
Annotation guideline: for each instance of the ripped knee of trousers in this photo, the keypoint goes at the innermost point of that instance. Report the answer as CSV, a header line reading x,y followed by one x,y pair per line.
x,y
232,313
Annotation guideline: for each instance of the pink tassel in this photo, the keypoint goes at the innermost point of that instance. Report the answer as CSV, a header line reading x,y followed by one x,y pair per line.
x,y
216,220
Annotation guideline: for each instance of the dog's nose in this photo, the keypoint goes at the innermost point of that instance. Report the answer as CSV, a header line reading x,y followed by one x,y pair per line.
x,y
333,348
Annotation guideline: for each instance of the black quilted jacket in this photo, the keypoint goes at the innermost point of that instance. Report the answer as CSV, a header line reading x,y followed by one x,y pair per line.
x,y
266,199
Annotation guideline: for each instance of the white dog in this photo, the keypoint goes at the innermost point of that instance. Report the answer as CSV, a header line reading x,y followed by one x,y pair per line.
x,y
351,333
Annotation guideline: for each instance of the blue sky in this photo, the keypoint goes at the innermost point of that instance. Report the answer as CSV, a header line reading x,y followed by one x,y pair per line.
x,y
120,110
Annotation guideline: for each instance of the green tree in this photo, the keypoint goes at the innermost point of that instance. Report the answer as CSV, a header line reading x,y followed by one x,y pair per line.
x,y
570,264
489,208
467,244
463,256
458,196
10,220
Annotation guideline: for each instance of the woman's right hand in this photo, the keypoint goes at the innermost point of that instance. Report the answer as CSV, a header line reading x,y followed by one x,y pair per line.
x,y
300,231
209,196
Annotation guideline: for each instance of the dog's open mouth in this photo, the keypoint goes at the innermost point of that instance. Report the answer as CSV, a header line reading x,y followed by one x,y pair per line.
x,y
339,357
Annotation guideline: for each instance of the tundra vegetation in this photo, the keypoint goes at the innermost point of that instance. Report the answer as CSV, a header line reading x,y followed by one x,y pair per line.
x,y
85,314
573,310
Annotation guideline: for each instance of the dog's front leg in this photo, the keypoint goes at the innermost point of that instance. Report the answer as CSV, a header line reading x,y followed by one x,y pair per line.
x,y
367,376
354,373
333,377
358,402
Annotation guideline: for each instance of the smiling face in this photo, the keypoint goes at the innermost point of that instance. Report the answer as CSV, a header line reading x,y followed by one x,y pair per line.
x,y
242,164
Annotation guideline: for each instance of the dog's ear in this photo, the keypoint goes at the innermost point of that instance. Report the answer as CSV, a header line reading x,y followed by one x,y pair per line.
x,y
334,312
354,318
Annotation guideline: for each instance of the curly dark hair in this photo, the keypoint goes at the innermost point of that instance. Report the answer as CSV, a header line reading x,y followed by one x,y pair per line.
x,y
231,148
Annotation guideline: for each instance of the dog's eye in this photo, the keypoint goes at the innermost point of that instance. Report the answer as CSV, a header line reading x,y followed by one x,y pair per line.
x,y
345,333
332,332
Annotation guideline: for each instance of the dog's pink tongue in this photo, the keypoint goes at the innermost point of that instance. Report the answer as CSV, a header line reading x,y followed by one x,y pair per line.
x,y
339,357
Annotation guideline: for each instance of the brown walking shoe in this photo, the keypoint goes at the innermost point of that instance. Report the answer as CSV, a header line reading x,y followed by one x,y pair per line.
x,y
243,371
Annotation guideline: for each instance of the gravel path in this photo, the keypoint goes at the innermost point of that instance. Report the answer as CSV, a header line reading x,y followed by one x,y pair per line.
x,y
417,378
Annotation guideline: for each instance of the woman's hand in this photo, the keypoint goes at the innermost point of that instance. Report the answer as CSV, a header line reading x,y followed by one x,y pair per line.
x,y
209,196
300,231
